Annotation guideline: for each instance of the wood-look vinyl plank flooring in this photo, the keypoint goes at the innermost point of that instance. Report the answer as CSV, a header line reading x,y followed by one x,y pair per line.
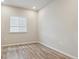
x,y
31,51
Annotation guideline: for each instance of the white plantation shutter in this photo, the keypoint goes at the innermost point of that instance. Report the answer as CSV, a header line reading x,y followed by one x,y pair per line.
x,y
18,24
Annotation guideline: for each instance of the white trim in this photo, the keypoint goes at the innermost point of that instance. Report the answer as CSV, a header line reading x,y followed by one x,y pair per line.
x,y
19,43
73,57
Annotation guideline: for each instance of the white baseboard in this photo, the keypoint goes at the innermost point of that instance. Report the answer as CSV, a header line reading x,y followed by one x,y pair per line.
x,y
73,57
19,44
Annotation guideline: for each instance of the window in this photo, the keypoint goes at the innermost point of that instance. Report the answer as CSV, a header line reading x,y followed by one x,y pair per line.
x,y
18,24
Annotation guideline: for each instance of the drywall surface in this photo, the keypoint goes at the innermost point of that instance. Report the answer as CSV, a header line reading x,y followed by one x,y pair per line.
x,y
13,38
58,26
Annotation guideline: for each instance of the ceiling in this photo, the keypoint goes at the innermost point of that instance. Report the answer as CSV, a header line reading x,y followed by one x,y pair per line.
x,y
27,3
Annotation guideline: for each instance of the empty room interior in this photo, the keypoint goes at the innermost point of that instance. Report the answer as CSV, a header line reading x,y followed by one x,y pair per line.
x,y
39,29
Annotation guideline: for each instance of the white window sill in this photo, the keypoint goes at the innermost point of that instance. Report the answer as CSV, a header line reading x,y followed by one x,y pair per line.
x,y
17,32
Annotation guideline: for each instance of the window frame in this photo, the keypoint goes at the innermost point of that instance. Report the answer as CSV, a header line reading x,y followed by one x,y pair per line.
x,y
25,24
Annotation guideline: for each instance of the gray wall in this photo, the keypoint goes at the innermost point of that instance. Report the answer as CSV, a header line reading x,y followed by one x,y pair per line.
x,y
58,26
13,38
